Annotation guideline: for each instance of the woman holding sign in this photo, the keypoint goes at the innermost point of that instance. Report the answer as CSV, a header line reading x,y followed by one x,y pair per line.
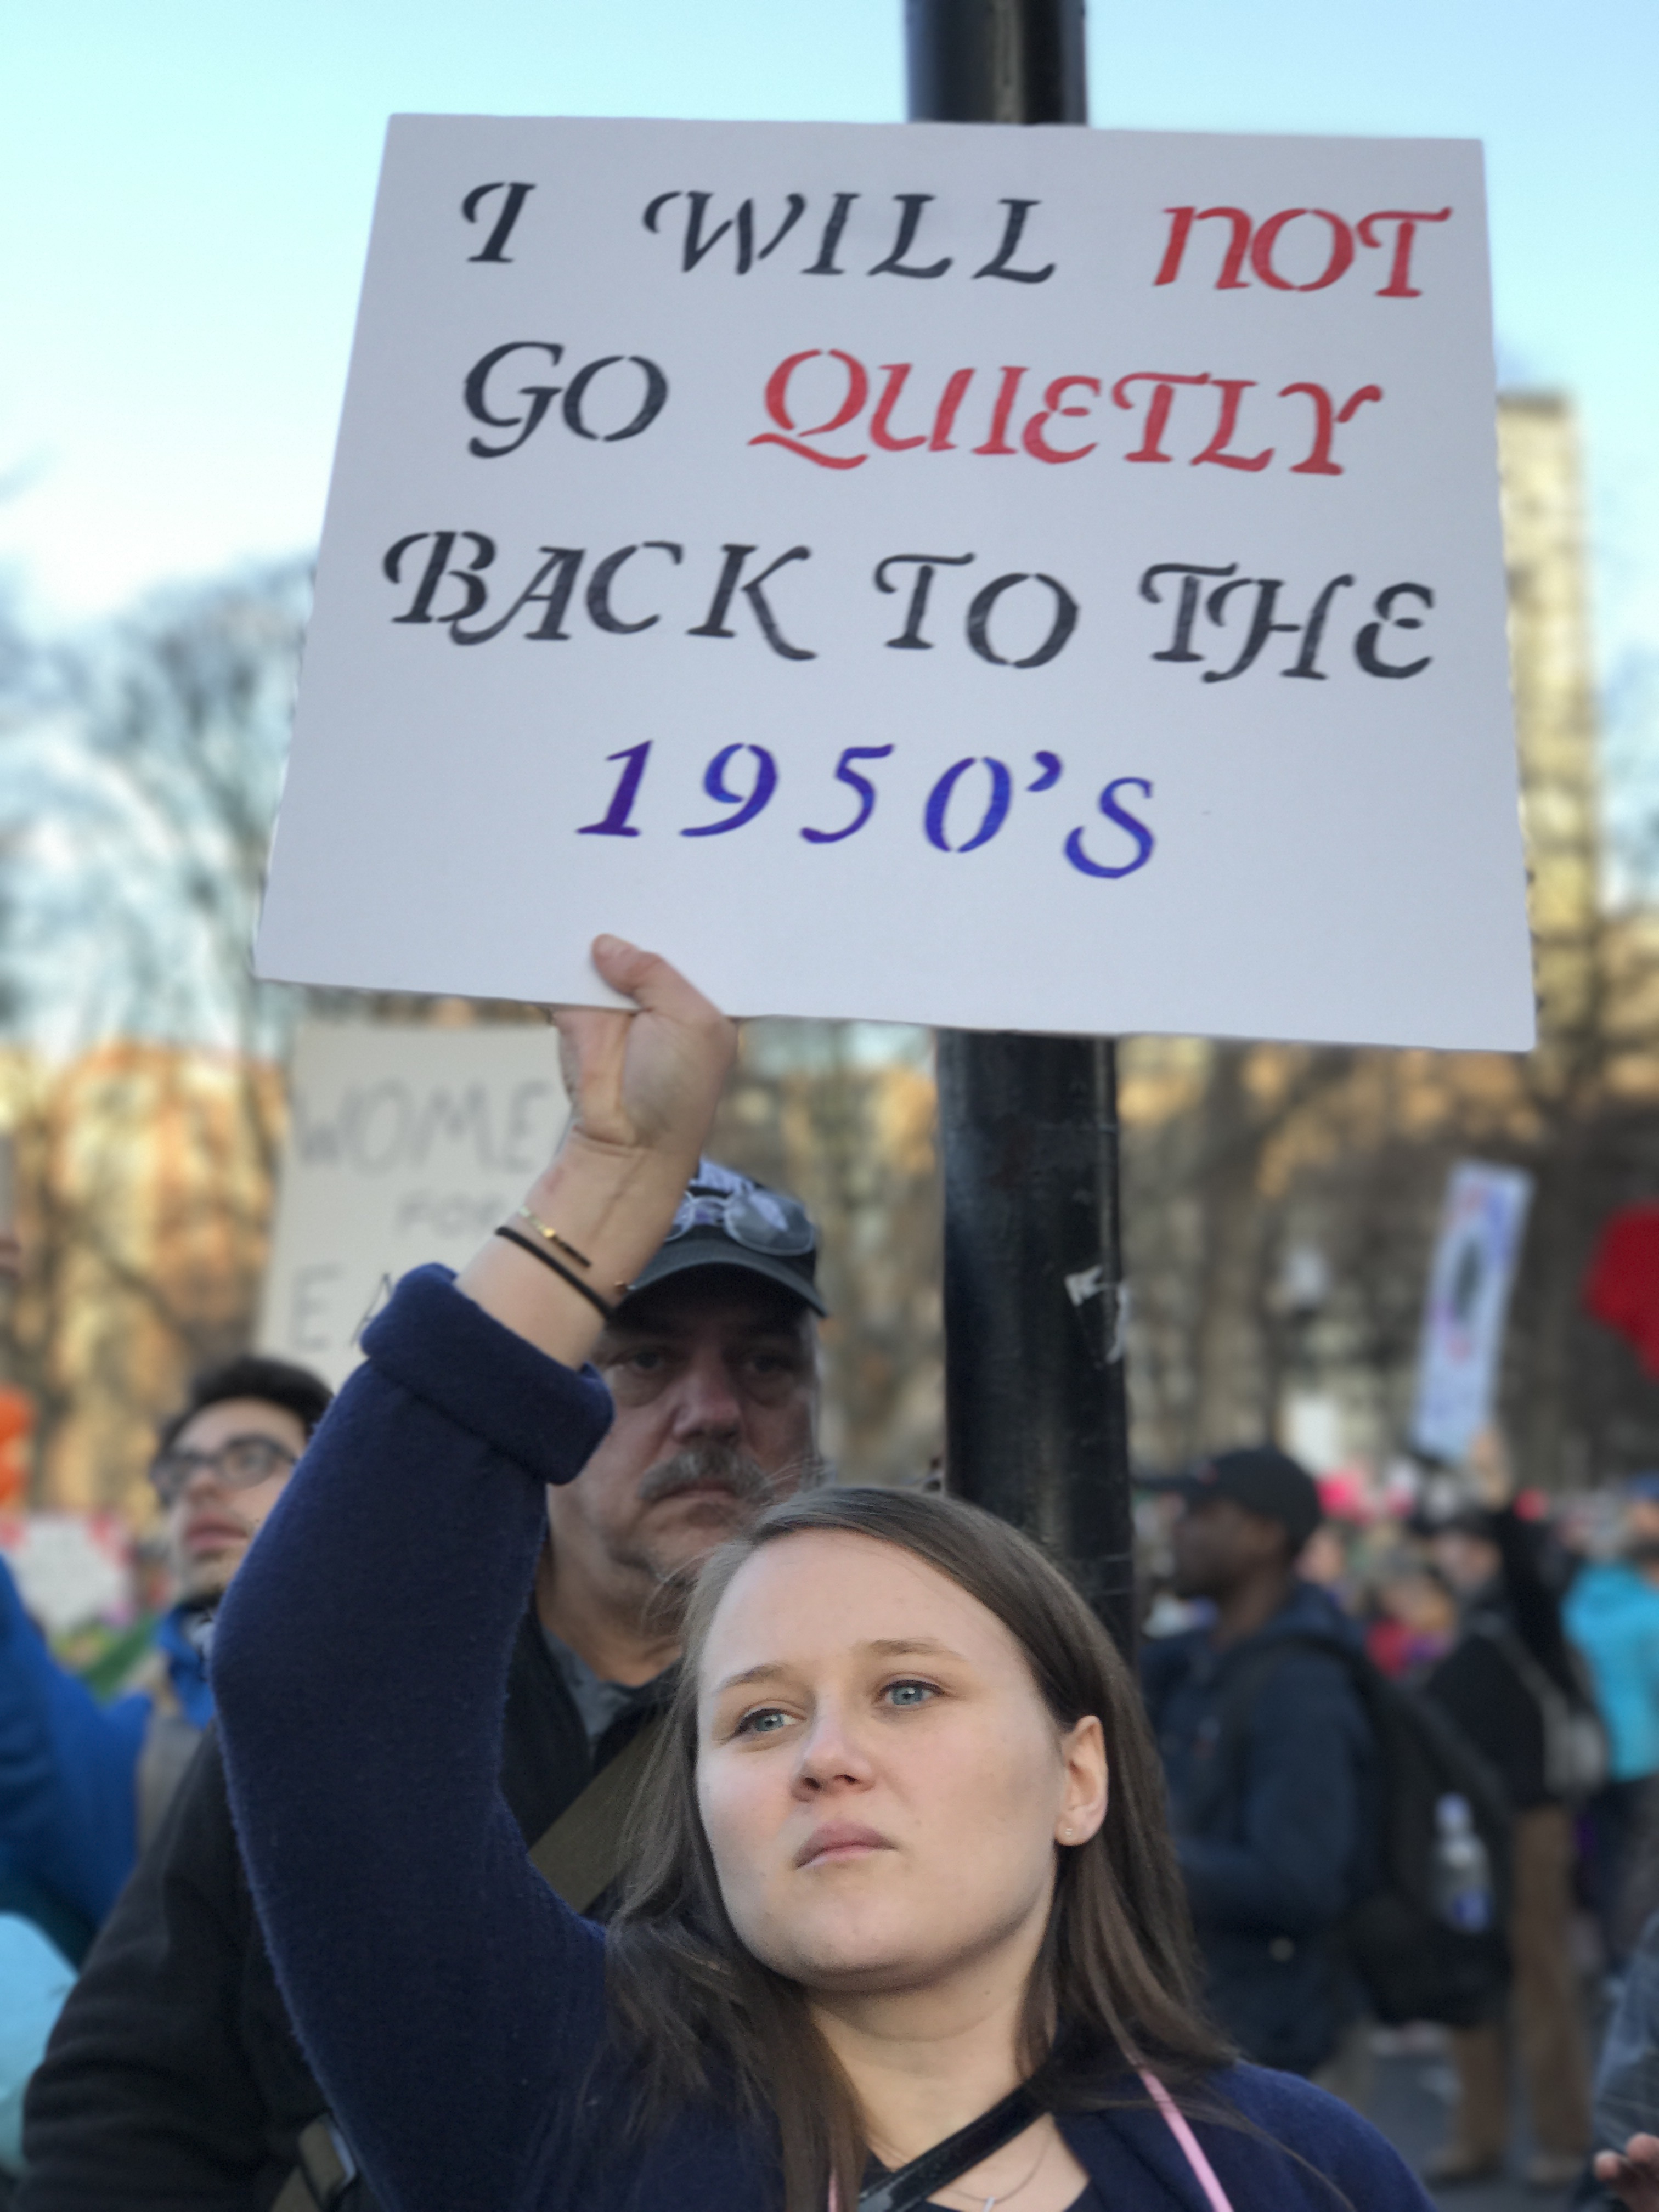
x,y
904,1926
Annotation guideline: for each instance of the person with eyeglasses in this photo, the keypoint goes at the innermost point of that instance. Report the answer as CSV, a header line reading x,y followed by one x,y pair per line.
x,y
83,1785
173,2076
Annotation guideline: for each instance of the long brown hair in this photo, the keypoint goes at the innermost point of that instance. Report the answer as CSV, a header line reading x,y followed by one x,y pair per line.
x,y
1114,1984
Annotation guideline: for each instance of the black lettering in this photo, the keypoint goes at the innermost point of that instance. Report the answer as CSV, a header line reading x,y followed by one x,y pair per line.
x,y
909,222
598,587
1262,625
697,245
1180,646
979,617
793,211
566,560
825,263
540,396
911,640
999,263
437,567
1313,633
1364,646
512,207
714,624
656,396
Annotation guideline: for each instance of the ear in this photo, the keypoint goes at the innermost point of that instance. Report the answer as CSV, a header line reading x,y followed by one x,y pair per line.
x,y
1087,1783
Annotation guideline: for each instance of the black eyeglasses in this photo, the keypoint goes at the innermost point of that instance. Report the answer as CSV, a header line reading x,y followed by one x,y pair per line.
x,y
759,1220
239,1463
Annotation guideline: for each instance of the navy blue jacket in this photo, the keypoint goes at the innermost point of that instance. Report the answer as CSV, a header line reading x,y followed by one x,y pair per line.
x,y
1273,1802
453,2008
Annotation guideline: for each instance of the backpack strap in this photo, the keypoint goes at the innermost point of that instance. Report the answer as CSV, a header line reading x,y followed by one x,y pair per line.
x,y
581,1855
326,2171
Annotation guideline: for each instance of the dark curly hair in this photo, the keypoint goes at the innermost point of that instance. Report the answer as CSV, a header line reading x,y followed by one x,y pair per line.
x,y
277,1382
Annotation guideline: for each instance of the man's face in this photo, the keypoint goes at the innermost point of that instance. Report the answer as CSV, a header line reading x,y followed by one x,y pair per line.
x,y
1217,1543
715,1378
210,1524
1468,1562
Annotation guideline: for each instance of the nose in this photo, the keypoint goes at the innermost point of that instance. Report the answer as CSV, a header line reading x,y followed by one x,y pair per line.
x,y
202,1481
705,1404
831,1757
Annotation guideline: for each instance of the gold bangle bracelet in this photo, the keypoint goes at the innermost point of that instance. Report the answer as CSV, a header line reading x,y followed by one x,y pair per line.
x,y
554,1238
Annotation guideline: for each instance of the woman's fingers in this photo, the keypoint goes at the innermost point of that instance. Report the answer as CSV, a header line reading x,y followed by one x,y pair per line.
x,y
654,1075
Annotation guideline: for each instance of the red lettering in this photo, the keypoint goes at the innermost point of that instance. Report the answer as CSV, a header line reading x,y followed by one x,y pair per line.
x,y
998,440
896,372
945,421
1325,417
1157,413
1181,220
1180,225
1232,388
1262,250
1232,278
777,396
1400,285
1033,440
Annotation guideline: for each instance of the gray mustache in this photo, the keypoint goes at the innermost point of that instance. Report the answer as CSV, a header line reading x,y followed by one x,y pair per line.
x,y
706,1466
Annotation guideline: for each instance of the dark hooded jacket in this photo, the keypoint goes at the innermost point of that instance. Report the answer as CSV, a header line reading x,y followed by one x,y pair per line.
x,y
1274,1778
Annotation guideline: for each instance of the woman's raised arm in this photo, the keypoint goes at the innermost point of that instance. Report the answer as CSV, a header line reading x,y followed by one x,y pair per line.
x,y
444,1995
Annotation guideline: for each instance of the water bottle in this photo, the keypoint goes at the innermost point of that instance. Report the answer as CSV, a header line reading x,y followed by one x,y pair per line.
x,y
1462,1872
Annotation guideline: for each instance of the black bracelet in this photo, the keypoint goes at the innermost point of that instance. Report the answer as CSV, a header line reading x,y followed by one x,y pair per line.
x,y
538,1252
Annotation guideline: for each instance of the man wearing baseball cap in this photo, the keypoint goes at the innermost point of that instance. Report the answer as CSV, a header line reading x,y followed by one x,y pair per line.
x,y
1272,1769
174,2077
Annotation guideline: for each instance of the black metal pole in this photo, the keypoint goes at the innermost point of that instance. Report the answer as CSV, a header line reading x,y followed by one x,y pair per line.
x,y
1035,1413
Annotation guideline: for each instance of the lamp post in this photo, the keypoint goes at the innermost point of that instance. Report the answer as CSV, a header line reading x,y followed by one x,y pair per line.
x,y
1035,1412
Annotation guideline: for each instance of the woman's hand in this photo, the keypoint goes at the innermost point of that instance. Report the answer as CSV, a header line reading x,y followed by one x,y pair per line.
x,y
1633,2174
648,1081
643,1089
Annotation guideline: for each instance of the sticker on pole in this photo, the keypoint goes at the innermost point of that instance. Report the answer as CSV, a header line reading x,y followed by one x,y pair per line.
x,y
1037,579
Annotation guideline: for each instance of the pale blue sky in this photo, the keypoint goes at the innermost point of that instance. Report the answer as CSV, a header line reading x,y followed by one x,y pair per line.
x,y
186,187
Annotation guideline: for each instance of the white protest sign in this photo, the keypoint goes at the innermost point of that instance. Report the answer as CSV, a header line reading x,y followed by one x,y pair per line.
x,y
1044,578
1481,1224
403,1146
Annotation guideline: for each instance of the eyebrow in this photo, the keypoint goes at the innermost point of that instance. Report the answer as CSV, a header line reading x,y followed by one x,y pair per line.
x,y
885,1647
631,1334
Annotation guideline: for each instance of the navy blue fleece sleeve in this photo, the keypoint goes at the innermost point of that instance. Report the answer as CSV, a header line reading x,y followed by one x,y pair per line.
x,y
1291,1868
444,1995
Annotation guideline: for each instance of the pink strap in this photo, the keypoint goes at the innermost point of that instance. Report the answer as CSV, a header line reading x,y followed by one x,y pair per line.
x,y
1214,2195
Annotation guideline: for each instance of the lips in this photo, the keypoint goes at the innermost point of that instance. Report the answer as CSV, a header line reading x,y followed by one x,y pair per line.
x,y
209,1534
839,1841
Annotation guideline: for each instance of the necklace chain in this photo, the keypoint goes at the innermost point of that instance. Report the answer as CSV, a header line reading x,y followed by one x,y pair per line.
x,y
1002,2197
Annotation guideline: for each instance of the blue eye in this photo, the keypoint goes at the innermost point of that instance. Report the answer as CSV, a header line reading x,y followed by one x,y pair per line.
x,y
909,1694
762,1723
